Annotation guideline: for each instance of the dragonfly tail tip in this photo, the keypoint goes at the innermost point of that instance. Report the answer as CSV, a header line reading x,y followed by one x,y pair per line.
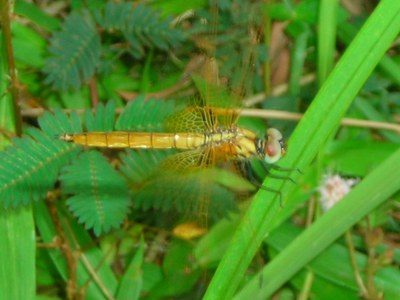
x,y
64,137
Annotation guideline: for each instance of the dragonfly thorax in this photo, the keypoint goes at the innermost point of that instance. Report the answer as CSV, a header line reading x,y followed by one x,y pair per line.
x,y
272,148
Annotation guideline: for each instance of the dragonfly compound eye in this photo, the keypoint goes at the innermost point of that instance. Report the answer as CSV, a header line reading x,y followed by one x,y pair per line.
x,y
273,147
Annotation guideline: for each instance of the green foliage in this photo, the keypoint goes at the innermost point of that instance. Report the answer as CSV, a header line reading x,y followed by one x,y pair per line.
x,y
76,49
190,193
100,195
115,50
147,116
141,26
75,53
319,123
180,274
102,120
83,240
30,167
338,281
132,282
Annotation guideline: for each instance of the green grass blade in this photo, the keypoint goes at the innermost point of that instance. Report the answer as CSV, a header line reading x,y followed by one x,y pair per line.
x,y
387,64
131,283
17,231
17,248
379,185
326,38
298,55
319,122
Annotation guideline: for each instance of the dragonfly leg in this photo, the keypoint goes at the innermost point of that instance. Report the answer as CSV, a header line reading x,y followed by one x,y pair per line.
x,y
279,169
246,167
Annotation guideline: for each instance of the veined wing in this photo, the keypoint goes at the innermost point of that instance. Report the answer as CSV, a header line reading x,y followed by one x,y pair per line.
x,y
200,158
201,119
224,90
158,183
196,119
231,50
215,107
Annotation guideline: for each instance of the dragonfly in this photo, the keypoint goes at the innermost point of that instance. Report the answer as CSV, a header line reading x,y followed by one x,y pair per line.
x,y
205,144
203,135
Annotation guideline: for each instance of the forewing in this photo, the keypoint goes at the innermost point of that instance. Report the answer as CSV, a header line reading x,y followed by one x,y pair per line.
x,y
227,73
196,119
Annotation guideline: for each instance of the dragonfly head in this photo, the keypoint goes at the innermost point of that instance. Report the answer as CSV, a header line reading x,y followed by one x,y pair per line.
x,y
274,147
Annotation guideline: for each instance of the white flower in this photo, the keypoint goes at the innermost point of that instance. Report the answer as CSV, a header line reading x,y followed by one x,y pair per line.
x,y
333,188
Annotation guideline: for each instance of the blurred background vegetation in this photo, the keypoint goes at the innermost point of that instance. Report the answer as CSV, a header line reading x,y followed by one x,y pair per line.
x,y
87,224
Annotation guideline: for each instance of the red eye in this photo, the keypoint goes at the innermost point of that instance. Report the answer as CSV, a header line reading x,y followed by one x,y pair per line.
x,y
273,147
270,150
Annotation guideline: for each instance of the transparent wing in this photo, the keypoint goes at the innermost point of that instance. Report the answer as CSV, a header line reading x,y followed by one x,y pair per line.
x,y
195,195
196,119
170,188
190,160
202,119
202,158
230,46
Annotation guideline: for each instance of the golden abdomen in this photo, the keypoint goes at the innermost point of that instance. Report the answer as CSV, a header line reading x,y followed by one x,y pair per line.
x,y
126,139
234,143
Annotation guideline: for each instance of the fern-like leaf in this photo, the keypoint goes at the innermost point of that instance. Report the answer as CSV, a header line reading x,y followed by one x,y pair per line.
x,y
141,27
103,119
146,115
75,53
100,195
29,168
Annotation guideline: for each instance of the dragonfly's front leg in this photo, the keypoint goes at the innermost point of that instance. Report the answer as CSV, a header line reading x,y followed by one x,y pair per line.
x,y
267,167
248,170
282,169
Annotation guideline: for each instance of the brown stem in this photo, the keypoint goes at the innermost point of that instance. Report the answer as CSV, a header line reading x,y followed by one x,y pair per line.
x,y
92,270
373,237
94,97
65,248
353,260
13,88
